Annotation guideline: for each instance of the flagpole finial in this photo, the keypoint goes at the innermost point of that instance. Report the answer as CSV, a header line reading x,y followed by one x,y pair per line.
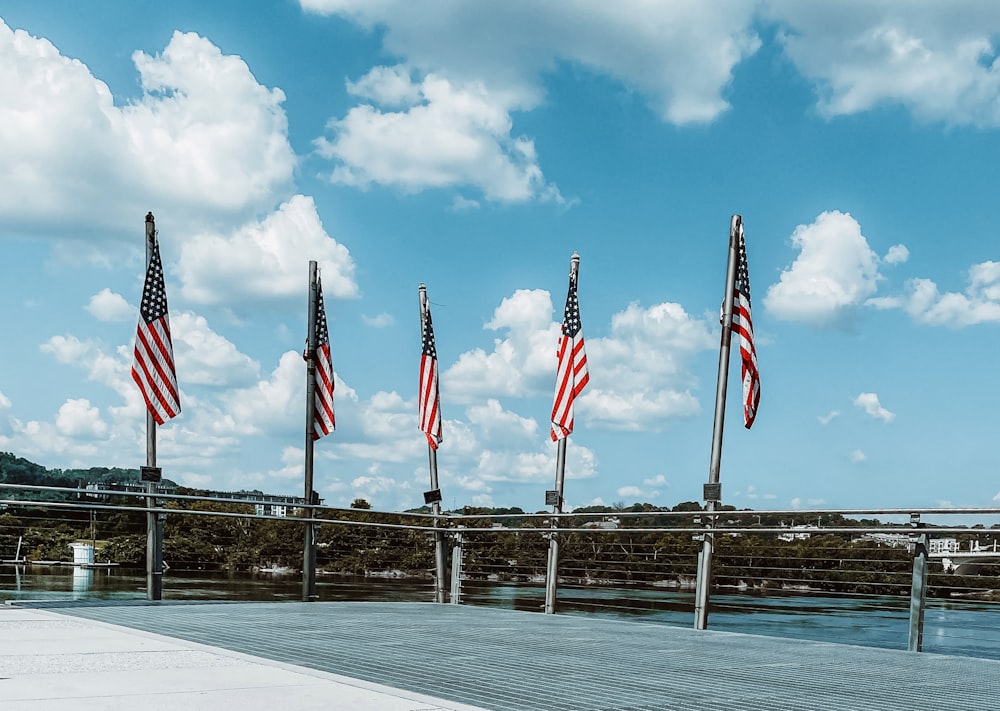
x,y
574,263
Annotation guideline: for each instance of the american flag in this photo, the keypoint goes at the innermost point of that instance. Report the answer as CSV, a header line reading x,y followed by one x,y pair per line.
x,y
571,374
153,355
323,420
743,326
429,399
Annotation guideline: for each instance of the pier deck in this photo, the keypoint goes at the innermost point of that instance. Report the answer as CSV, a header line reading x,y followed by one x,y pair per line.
x,y
505,660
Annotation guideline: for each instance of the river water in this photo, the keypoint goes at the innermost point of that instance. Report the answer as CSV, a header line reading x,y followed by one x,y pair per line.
x,y
957,628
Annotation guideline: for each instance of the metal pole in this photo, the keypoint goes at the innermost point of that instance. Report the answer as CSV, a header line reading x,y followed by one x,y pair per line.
x,y
918,594
440,553
552,569
154,531
439,545
309,536
712,494
456,568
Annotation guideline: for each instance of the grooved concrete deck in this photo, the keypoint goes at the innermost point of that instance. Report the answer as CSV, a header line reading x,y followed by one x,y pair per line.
x,y
53,662
506,660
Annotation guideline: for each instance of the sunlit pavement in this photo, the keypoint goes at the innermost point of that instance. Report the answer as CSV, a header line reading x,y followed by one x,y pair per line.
x,y
51,661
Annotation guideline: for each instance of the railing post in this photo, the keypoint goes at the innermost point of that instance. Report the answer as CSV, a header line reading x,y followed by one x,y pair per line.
x,y
154,547
703,580
440,564
309,560
456,568
552,569
918,593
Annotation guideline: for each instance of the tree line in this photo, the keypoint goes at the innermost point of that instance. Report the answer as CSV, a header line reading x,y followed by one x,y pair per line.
x,y
213,535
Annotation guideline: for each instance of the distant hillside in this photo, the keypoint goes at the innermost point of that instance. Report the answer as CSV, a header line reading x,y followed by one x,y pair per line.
x,y
17,470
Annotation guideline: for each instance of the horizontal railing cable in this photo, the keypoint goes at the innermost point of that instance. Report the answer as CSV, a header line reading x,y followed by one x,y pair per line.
x,y
619,562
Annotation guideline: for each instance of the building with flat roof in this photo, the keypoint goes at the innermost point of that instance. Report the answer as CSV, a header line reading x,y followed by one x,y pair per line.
x,y
940,546
264,504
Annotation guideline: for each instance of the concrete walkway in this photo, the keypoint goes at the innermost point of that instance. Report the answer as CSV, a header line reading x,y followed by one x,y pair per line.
x,y
51,661
422,656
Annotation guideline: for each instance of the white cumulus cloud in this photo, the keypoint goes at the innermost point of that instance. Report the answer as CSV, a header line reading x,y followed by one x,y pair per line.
x,y
108,366
271,404
980,303
834,274
828,417
203,140
382,320
78,418
205,357
938,60
518,365
897,254
444,135
869,402
106,305
680,55
644,363
266,260
494,424
442,117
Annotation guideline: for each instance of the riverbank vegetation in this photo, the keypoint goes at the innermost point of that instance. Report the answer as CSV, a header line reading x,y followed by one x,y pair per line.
x,y
613,546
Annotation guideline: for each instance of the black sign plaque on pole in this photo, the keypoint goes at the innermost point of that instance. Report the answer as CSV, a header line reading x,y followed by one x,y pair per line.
x,y
432,497
153,474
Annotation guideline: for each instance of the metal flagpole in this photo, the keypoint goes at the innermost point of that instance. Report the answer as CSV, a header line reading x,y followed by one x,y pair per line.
x,y
154,537
439,549
309,537
713,489
555,498
552,570
435,491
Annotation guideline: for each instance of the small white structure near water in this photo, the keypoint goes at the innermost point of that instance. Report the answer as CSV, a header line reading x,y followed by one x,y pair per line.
x,y
83,554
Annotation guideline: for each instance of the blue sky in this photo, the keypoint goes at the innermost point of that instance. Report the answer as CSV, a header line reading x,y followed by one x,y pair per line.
x,y
474,147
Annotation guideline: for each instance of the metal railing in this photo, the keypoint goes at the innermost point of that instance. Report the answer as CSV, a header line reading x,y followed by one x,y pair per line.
x,y
621,563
